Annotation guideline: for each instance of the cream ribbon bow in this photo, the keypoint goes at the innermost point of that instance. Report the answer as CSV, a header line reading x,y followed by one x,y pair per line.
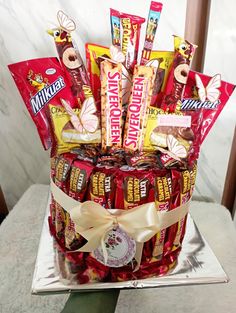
x,y
92,221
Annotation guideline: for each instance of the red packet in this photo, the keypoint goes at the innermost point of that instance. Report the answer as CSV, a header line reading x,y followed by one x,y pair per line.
x,y
131,26
133,188
207,96
79,177
40,82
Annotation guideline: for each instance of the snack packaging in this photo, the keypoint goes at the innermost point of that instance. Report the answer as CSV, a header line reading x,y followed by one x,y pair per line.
x,y
137,113
79,178
163,193
133,188
70,58
165,60
115,27
102,186
131,26
111,105
152,24
93,59
178,75
62,171
67,137
206,96
41,82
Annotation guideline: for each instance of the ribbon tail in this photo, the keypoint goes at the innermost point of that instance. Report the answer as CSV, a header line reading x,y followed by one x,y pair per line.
x,y
138,255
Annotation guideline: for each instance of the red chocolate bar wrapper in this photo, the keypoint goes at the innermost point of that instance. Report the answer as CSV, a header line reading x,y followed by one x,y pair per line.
x,y
115,27
178,74
71,60
63,169
40,82
131,26
152,24
174,203
185,196
73,240
93,59
137,113
207,96
53,164
111,105
134,187
163,193
102,186
79,178
59,222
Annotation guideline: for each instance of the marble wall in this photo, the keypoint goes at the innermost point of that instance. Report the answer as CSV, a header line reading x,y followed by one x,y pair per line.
x,y
22,36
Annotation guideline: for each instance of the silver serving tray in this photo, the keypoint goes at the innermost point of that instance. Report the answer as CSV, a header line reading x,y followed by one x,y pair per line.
x,y
197,264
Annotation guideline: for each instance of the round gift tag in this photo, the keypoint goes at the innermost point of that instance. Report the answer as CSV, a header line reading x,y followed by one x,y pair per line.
x,y
120,248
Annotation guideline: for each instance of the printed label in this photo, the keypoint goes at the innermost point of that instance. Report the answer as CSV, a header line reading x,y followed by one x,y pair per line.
x,y
77,179
136,189
174,120
44,95
114,108
192,104
120,248
135,112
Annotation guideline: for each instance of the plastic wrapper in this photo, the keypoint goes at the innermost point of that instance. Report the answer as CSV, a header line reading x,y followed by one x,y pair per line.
x,y
163,194
137,113
41,82
165,60
206,96
131,26
115,27
102,186
111,105
93,59
79,178
70,58
178,75
67,137
152,24
133,188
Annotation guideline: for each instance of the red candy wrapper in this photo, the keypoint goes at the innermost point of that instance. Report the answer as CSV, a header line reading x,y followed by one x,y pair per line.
x,y
70,59
133,188
62,171
206,96
40,82
115,27
178,74
101,187
93,60
152,24
79,177
131,25
163,193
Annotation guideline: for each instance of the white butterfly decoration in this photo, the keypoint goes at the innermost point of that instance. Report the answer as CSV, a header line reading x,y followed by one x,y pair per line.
x,y
65,22
116,54
86,121
175,149
211,91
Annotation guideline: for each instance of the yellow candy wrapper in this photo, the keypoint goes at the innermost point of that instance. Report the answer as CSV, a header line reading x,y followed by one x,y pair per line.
x,y
66,135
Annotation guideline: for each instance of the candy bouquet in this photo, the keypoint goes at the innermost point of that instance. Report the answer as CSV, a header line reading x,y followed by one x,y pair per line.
x,y
124,138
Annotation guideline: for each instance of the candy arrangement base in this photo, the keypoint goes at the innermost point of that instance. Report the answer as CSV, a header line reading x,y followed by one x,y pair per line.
x,y
196,264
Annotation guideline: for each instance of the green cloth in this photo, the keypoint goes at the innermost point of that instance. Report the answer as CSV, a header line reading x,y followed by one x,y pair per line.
x,y
92,302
